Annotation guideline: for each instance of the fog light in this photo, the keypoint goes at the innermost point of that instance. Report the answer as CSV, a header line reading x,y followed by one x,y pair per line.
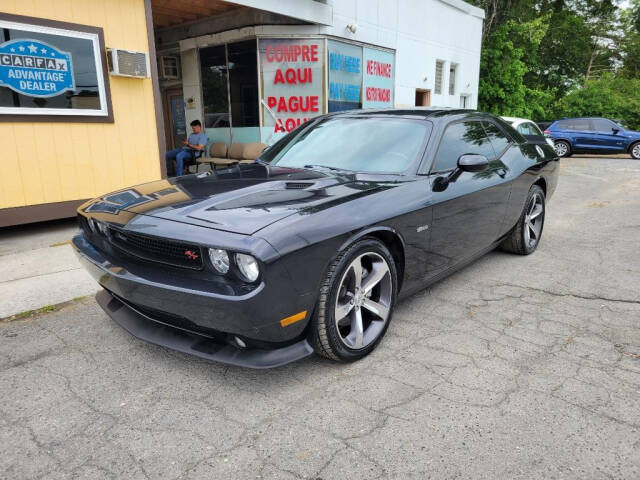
x,y
248,266
219,259
240,343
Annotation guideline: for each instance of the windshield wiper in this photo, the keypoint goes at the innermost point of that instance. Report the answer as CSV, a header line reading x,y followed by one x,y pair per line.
x,y
335,169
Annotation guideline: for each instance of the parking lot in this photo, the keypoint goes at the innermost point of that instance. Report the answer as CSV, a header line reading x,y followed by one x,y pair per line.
x,y
515,367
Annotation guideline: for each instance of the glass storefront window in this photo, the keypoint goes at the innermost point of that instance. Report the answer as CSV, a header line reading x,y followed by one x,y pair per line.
x,y
377,83
345,76
51,71
215,100
292,83
243,81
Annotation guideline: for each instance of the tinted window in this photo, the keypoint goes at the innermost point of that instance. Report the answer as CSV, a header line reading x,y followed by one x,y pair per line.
x,y
575,124
243,84
458,139
364,144
602,125
499,140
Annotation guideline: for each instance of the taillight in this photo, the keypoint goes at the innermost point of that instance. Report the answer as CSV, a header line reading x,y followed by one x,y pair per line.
x,y
547,132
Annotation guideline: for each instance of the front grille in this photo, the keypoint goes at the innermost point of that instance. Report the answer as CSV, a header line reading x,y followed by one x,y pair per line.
x,y
156,249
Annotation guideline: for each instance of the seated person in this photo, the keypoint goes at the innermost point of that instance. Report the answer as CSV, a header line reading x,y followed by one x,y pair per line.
x,y
193,148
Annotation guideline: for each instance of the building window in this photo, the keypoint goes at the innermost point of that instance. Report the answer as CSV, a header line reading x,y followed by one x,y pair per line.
x,y
170,67
345,76
47,71
452,79
438,82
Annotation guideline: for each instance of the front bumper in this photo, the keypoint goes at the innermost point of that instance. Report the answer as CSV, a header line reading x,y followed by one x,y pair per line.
x,y
195,317
145,328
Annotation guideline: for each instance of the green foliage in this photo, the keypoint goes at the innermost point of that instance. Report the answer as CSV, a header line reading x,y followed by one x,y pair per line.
x,y
545,59
506,59
609,96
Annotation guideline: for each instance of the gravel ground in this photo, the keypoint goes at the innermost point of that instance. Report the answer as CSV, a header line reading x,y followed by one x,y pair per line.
x,y
515,367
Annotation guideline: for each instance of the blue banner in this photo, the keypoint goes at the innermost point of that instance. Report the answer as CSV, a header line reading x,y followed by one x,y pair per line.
x,y
35,68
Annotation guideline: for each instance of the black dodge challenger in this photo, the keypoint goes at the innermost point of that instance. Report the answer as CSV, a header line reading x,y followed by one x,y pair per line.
x,y
310,247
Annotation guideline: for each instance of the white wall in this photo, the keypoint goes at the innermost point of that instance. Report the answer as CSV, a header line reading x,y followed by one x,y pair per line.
x,y
421,32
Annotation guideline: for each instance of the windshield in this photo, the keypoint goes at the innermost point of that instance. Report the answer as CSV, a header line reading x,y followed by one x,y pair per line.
x,y
361,144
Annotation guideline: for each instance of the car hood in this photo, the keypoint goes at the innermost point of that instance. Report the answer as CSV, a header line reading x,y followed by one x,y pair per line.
x,y
242,200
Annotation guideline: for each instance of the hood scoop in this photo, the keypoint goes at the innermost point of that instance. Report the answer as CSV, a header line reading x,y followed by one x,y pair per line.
x,y
298,185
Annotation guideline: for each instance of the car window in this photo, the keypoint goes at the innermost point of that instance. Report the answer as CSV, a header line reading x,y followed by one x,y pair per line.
x,y
535,130
458,139
581,124
498,139
524,129
603,125
361,144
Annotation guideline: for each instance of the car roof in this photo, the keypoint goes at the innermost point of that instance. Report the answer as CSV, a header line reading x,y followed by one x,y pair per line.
x,y
516,120
412,112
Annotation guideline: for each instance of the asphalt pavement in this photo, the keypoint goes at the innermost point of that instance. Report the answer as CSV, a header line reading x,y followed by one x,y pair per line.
x,y
514,368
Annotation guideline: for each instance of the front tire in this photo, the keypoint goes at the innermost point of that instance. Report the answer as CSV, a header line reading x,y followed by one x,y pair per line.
x,y
635,151
525,236
563,149
356,302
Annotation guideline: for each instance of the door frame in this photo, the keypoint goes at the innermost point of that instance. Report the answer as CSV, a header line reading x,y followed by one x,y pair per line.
x,y
168,119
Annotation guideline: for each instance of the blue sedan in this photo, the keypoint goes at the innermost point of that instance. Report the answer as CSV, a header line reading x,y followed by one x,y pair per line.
x,y
593,135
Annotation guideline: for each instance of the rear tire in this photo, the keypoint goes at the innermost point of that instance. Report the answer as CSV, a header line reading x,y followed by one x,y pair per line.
x,y
356,302
563,149
635,151
525,236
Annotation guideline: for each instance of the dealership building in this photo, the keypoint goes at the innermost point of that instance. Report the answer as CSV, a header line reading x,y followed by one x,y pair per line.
x,y
93,93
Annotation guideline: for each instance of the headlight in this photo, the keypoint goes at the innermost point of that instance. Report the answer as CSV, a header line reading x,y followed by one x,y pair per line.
x,y
102,228
93,225
219,259
248,267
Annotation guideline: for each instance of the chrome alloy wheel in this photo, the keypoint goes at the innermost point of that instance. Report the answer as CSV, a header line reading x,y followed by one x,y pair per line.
x,y
561,149
533,220
363,301
635,152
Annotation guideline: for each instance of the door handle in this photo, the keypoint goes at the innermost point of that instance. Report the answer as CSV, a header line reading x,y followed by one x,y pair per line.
x,y
501,171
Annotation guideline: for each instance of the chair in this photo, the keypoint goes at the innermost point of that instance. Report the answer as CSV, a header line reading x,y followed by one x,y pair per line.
x,y
218,155
252,151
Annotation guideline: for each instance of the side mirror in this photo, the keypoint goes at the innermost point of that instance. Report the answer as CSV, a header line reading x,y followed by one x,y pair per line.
x,y
472,163
615,130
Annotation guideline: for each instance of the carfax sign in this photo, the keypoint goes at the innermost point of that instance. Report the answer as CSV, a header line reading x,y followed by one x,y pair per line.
x,y
35,68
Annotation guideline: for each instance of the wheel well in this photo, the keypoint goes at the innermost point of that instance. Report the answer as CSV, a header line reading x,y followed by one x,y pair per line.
x,y
392,241
542,183
631,145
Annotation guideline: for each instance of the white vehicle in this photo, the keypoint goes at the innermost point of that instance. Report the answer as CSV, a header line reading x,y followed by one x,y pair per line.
x,y
527,127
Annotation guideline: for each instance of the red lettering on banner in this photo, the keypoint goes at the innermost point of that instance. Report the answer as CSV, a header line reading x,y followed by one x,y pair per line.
x,y
291,53
378,69
374,94
295,103
278,78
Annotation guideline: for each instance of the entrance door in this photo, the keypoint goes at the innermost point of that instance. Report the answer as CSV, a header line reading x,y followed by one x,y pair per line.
x,y
423,97
174,118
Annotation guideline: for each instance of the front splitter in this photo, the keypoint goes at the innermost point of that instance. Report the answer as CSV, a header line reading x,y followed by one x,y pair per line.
x,y
147,329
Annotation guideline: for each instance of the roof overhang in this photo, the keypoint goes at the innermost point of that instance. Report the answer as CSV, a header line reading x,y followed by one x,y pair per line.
x,y
307,10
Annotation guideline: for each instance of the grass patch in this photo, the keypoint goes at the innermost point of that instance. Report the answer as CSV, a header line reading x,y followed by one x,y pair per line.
x,y
41,310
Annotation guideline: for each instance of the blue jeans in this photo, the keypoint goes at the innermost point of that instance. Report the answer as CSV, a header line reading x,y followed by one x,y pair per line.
x,y
182,157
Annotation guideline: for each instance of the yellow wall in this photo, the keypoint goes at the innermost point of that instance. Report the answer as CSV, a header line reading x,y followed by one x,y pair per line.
x,y
55,162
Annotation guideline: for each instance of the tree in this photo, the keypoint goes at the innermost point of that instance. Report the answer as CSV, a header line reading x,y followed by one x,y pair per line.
x,y
608,96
